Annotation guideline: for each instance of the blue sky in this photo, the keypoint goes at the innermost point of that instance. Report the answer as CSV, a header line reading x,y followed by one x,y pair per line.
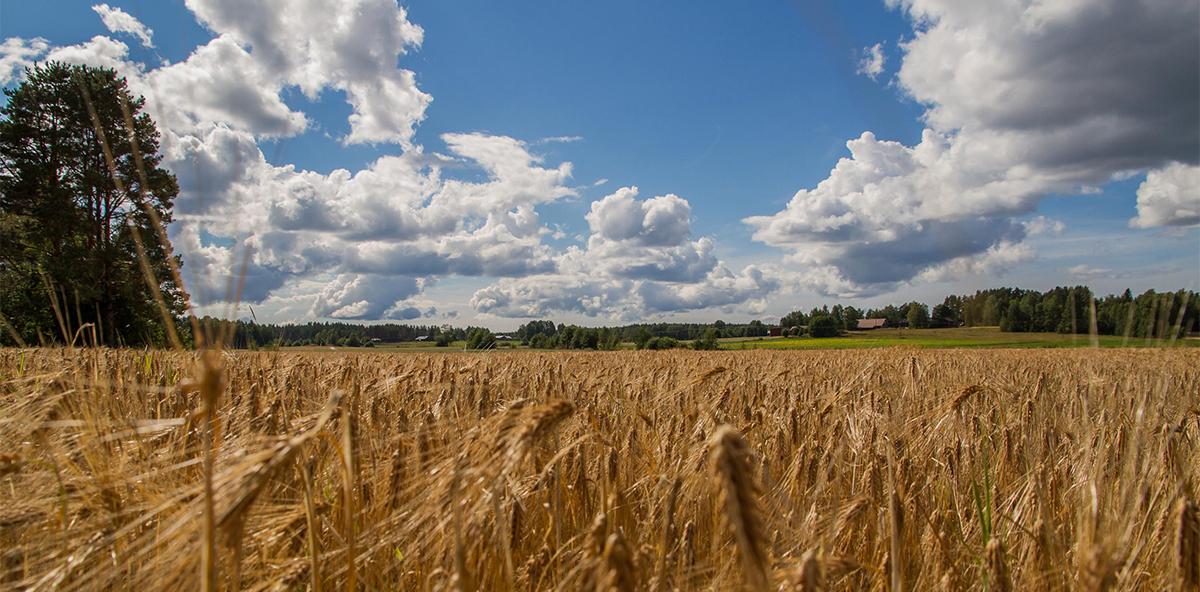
x,y
1018,180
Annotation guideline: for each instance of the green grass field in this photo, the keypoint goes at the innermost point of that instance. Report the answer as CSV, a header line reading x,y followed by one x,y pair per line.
x,y
963,337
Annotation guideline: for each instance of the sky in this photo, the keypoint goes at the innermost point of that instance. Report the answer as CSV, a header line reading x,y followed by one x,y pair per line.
x,y
485,163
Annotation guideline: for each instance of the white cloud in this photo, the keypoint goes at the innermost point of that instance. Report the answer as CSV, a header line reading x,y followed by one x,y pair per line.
x,y
398,217
640,260
1022,99
659,221
222,83
16,54
1087,272
1043,226
560,140
365,297
119,21
346,45
994,262
99,52
872,60
1169,196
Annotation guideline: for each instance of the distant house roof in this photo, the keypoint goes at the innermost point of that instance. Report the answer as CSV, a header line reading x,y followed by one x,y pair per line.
x,y
422,337
872,323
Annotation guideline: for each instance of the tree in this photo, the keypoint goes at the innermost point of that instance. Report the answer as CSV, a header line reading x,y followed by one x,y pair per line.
x,y
918,315
943,315
1014,319
851,316
822,326
480,338
795,318
80,187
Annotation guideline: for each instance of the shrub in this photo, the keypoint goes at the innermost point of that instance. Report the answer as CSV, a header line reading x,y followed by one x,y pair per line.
x,y
706,341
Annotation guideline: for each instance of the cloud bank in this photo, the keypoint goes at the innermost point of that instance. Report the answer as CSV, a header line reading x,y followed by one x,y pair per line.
x,y
1022,100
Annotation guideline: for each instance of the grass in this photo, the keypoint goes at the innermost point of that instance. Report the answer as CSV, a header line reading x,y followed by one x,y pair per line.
x,y
963,337
850,470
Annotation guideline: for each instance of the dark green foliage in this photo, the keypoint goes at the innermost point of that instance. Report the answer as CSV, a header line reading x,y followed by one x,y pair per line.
x,y
917,315
67,226
823,325
947,314
545,335
480,338
706,341
1067,310
242,333
795,318
661,343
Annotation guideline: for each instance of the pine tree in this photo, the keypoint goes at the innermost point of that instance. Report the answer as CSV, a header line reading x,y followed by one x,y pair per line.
x,y
72,215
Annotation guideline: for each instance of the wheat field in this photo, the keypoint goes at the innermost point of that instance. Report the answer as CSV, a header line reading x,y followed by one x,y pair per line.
x,y
854,470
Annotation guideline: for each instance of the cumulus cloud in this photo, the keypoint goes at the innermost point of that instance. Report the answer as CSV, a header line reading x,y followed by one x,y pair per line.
x,y
119,21
399,217
871,62
640,259
222,83
346,45
994,262
1169,196
380,233
16,54
351,296
100,52
659,221
1002,86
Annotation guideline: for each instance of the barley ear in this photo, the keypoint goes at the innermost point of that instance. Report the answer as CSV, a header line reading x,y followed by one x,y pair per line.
x,y
729,456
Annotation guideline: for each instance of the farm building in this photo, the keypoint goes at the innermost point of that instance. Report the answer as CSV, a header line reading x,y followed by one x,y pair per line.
x,y
774,332
422,338
867,324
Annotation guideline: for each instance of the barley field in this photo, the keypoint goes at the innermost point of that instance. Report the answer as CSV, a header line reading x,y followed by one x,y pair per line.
x,y
892,469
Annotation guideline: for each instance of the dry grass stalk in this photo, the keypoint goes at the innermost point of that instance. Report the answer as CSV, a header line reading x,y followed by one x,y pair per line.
x,y
471,476
1187,546
997,567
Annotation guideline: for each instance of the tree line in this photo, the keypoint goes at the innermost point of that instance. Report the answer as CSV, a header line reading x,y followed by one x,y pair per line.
x,y
1064,309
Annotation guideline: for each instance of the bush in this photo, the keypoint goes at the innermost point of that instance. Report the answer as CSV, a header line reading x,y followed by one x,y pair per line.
x,y
662,343
444,339
706,341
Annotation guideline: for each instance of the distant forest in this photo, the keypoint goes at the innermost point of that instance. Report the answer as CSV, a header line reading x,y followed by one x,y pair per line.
x,y
1060,310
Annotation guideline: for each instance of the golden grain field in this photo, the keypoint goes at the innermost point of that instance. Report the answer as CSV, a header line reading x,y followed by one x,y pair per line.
x,y
848,470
